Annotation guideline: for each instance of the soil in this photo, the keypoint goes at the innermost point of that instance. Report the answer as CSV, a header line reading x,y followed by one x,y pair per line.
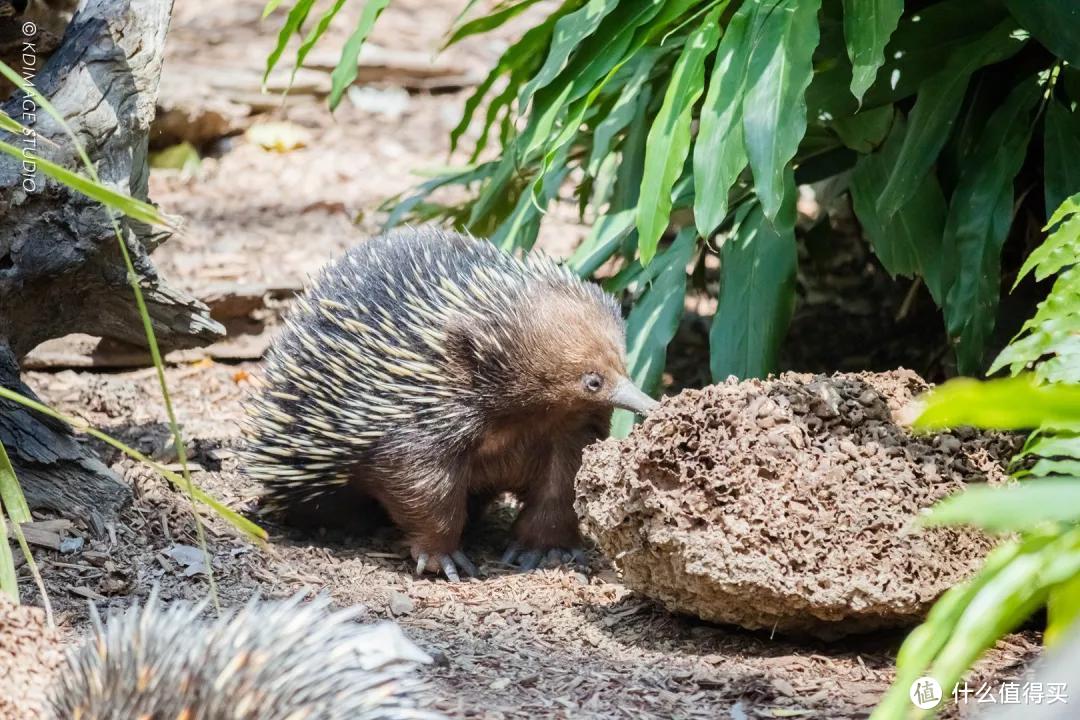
x,y
553,643
789,504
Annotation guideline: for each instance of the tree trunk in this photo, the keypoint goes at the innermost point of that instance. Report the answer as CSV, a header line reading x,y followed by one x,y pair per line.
x,y
60,266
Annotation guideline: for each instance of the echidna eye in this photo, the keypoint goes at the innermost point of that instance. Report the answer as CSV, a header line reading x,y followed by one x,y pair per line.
x,y
592,381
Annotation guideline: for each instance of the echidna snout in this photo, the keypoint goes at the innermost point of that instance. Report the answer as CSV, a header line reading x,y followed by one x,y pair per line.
x,y
430,372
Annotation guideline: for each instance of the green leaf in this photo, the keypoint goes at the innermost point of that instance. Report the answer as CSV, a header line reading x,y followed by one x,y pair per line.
x,y
1051,338
1063,444
270,7
1017,403
9,580
909,243
348,65
1011,509
570,31
935,111
1013,594
720,151
631,168
774,105
756,299
313,37
517,62
11,494
669,137
1062,611
980,214
603,241
488,22
922,43
296,16
864,132
653,321
623,111
868,25
1060,250
1054,23
1061,147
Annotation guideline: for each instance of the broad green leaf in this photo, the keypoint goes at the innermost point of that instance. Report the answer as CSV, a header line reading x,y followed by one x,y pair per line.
x,y
623,112
935,110
1011,509
909,243
293,20
1061,147
921,45
868,25
489,22
1062,611
348,65
1013,594
756,299
980,213
719,151
774,104
1054,23
653,321
669,137
570,31
134,209
864,132
1017,403
631,169
603,241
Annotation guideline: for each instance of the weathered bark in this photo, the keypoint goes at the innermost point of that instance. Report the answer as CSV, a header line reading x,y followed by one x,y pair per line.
x,y
60,266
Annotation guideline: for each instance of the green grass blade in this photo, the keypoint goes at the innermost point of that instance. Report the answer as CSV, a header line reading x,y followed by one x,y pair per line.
x,y
13,504
293,20
135,209
488,22
270,7
11,495
238,521
313,37
347,68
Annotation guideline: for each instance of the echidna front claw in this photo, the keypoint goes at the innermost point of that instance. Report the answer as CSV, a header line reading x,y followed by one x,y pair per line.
x,y
532,559
449,564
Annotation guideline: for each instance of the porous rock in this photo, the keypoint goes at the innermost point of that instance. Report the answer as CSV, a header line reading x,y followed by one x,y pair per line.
x,y
788,504
29,657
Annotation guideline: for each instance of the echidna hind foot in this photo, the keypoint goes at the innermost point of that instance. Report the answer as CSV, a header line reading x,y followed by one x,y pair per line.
x,y
268,661
424,368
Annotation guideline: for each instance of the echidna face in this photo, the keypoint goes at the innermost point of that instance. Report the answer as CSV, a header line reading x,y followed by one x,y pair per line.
x,y
577,357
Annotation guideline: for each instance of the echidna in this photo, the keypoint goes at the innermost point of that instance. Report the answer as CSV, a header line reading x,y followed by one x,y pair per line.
x,y
281,660
427,370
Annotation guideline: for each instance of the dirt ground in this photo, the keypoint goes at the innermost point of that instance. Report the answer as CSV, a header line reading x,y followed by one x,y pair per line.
x,y
553,643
